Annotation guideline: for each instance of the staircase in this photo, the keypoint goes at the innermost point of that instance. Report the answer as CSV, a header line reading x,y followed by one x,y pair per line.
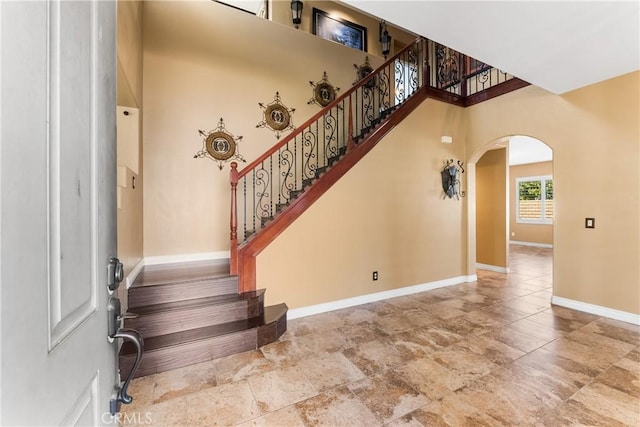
x,y
192,312
276,188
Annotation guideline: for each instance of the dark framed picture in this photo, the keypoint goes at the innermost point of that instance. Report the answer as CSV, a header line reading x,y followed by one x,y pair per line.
x,y
339,30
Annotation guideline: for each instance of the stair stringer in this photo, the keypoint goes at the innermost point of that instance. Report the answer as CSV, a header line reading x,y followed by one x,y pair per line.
x,y
249,250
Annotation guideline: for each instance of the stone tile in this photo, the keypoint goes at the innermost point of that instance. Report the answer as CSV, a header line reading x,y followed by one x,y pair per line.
x,y
517,339
568,314
226,404
453,410
616,347
373,356
387,396
240,366
491,349
485,319
564,368
514,397
393,323
614,329
326,341
324,321
300,326
329,370
443,310
444,371
287,352
624,380
482,299
537,330
573,413
280,388
169,413
548,319
336,407
408,302
182,381
381,308
610,402
421,318
461,326
525,307
362,332
285,417
581,353
427,298
355,315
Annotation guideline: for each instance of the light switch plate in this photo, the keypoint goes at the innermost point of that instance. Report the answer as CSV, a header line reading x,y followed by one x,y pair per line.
x,y
589,223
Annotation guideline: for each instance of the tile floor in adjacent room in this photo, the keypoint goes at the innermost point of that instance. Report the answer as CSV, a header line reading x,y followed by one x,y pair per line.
x,y
491,352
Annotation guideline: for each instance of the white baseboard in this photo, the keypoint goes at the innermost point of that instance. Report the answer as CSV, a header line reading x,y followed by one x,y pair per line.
x,y
471,278
133,275
364,299
599,310
495,268
202,256
534,244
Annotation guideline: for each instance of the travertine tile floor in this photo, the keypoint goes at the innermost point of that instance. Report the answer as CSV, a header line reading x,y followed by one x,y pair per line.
x,y
492,352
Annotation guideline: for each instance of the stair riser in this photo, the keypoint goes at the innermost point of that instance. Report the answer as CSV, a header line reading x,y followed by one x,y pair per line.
x,y
159,294
167,322
191,353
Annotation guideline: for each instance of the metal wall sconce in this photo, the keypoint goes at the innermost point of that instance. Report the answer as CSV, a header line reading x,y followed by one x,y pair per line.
x,y
385,39
451,179
296,12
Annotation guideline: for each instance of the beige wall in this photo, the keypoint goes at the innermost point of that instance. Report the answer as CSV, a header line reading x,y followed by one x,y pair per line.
x,y
595,136
192,78
387,214
129,94
491,208
281,13
522,232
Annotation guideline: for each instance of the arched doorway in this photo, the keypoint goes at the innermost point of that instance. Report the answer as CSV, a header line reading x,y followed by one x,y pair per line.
x,y
510,205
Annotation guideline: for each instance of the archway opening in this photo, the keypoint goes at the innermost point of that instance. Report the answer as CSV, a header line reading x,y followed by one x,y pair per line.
x,y
511,200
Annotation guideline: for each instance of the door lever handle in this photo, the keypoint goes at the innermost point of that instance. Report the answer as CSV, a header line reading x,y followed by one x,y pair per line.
x,y
135,338
115,331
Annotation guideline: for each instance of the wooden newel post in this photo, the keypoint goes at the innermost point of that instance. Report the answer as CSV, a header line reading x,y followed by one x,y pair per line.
x,y
234,220
350,143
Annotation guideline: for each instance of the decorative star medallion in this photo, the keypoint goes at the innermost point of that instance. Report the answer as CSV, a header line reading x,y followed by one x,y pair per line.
x,y
277,116
219,145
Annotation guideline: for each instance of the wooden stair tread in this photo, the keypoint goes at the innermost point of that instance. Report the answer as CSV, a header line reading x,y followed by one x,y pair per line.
x,y
182,272
197,302
271,314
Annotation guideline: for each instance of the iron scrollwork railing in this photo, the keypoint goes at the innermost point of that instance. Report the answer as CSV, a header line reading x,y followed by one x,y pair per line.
x,y
277,178
274,180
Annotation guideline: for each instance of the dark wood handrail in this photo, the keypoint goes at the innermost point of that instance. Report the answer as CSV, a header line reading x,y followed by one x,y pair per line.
x,y
321,113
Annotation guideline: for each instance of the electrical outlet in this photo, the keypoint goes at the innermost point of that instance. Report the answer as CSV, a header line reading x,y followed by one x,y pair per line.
x,y
375,275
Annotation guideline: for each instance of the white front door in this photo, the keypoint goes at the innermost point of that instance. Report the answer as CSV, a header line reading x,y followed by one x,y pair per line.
x,y
58,214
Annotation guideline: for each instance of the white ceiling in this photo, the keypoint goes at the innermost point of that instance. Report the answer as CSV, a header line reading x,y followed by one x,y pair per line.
x,y
557,45
524,149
